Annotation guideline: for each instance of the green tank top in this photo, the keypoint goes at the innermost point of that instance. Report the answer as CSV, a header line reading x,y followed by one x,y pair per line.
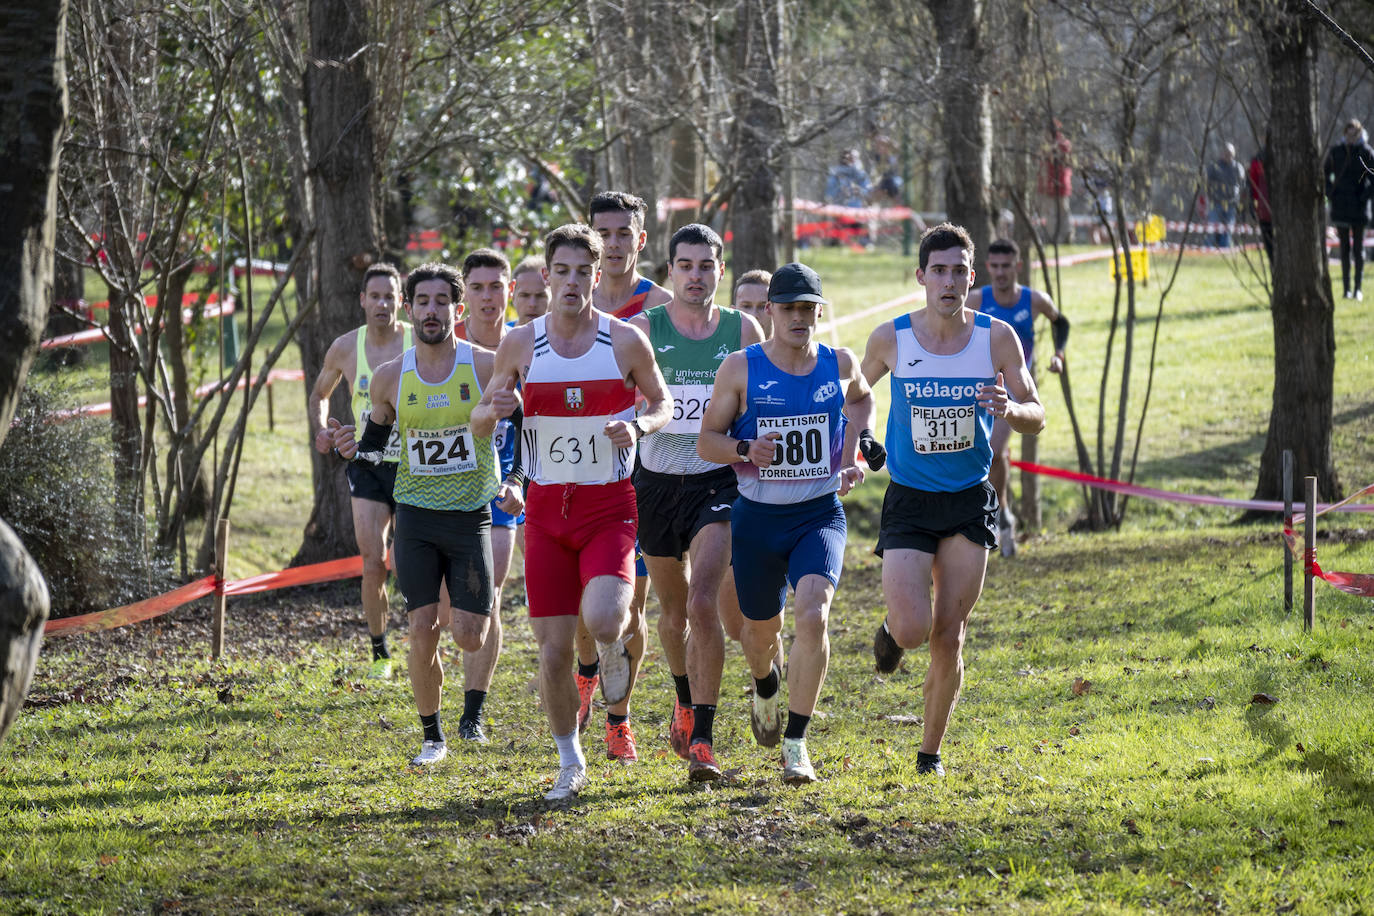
x,y
689,367
362,390
443,465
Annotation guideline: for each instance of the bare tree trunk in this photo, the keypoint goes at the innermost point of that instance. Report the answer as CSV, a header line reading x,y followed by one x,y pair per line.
x,y
1304,325
32,111
967,118
759,133
347,181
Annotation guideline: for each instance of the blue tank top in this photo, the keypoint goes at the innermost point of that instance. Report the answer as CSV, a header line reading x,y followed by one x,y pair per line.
x,y
1020,316
806,411
938,439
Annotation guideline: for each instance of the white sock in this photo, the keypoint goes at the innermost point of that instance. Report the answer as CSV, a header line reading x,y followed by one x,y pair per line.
x,y
569,750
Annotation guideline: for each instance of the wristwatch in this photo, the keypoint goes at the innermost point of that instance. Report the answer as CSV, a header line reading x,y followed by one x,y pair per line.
x,y
639,430
742,448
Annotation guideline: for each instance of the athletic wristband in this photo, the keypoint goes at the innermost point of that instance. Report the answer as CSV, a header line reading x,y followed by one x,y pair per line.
x,y
372,446
1059,332
872,450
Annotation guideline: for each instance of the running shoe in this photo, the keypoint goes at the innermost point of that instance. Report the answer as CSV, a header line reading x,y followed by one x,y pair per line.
x,y
680,728
615,670
381,669
620,742
585,687
430,752
796,763
570,781
472,730
701,763
765,716
930,767
1006,532
886,653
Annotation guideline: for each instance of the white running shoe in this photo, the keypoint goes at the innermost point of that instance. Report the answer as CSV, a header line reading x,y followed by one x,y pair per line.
x,y
570,781
430,752
615,670
796,763
765,716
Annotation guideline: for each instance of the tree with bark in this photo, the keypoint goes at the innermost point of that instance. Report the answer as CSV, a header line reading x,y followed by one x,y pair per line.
x,y
32,112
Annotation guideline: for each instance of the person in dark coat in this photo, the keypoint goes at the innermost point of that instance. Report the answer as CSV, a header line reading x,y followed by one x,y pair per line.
x,y
1349,171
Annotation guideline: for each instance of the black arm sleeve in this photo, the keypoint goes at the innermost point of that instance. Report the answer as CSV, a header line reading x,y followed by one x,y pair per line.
x,y
372,445
1059,331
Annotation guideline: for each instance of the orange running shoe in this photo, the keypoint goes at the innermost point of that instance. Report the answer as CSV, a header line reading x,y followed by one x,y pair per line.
x,y
620,742
701,762
586,686
680,729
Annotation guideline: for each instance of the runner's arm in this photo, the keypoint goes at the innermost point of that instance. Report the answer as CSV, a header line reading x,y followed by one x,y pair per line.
x,y
1023,411
633,352
345,438
714,444
880,353
325,383
1042,304
498,401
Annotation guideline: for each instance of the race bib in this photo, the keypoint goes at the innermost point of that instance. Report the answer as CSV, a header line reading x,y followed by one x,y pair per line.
x,y
437,452
689,406
803,452
935,430
574,450
392,452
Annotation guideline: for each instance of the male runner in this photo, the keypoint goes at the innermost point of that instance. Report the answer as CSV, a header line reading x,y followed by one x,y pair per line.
x,y
578,370
795,411
684,501
529,289
953,371
487,287
751,298
354,357
1018,306
445,481
618,219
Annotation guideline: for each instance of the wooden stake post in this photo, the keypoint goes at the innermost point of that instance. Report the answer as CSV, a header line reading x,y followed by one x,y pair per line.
x,y
1309,595
1288,526
221,562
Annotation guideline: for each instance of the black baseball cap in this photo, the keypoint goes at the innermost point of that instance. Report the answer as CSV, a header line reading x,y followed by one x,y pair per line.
x,y
795,283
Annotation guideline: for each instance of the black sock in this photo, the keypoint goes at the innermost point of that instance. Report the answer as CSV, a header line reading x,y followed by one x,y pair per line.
x,y
684,691
703,722
796,725
379,649
431,726
472,704
767,687
613,719
589,670
923,757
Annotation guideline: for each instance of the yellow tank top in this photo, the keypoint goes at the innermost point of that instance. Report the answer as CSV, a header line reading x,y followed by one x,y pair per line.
x,y
443,465
362,390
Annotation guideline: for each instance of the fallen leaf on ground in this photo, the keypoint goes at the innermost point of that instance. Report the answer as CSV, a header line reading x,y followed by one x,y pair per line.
x,y
1081,686
1264,699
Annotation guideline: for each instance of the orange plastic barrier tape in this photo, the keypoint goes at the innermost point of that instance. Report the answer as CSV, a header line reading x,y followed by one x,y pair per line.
x,y
131,613
329,571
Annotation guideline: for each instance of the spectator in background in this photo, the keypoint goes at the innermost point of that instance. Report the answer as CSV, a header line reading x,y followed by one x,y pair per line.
x,y
847,185
1259,199
1225,177
1055,186
1348,169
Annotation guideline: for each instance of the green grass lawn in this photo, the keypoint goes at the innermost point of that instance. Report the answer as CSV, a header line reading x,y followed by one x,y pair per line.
x,y
147,778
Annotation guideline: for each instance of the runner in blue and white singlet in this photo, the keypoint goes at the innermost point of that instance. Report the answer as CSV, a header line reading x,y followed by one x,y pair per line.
x,y
954,370
790,414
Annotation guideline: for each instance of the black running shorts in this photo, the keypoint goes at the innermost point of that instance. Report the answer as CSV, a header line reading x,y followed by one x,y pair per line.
x,y
920,519
674,507
435,546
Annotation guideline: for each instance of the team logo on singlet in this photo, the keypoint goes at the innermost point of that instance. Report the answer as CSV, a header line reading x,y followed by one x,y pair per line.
x,y
826,392
435,401
573,398
362,383
723,352
464,392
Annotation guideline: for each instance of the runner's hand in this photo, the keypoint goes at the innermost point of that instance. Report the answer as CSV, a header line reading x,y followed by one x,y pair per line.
x,y
504,400
993,398
324,439
621,434
763,451
850,478
872,450
344,443
510,499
